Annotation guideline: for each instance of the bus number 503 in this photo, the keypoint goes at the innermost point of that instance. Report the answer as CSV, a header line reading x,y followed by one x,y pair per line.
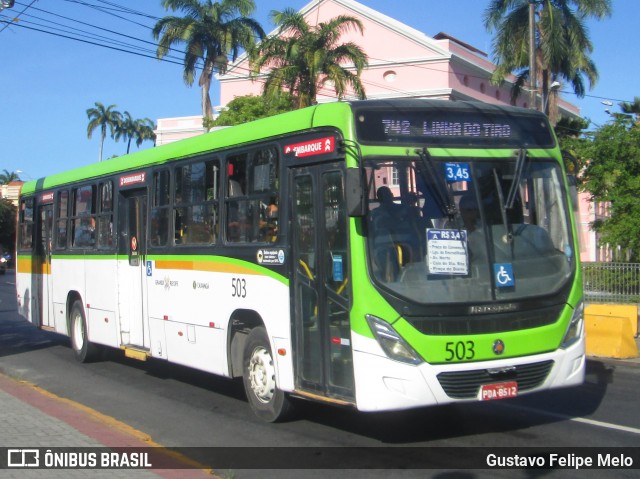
x,y
460,350
239,288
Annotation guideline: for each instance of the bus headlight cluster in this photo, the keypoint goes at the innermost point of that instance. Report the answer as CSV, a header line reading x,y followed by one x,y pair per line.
x,y
391,343
574,331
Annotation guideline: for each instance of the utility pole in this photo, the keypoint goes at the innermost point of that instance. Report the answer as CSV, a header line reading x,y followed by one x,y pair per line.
x,y
532,55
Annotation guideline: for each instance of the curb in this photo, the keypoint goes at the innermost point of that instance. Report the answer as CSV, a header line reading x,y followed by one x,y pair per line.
x,y
104,429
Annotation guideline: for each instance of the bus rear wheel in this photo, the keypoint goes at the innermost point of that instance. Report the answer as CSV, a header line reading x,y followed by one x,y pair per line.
x,y
259,376
83,350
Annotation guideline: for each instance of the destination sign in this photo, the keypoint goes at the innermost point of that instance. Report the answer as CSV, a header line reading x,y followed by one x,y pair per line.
x,y
319,146
453,127
46,198
132,179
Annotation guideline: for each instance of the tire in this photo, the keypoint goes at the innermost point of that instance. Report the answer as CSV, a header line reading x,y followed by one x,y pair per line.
x,y
83,350
259,376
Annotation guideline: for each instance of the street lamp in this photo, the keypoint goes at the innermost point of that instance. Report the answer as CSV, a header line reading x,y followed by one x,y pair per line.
x,y
6,4
554,86
607,103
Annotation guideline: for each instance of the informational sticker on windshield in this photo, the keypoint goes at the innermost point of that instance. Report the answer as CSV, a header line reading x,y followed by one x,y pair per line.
x,y
447,252
457,172
503,274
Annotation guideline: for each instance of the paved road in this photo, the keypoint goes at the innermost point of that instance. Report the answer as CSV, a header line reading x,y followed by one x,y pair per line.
x,y
192,411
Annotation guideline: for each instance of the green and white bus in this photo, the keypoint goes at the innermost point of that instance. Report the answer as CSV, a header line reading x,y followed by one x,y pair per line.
x,y
382,255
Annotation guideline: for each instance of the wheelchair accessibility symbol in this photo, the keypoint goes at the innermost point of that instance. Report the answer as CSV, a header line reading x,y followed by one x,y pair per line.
x,y
503,274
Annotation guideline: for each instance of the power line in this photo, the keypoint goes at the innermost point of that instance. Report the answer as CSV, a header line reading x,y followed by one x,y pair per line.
x,y
18,15
97,44
111,7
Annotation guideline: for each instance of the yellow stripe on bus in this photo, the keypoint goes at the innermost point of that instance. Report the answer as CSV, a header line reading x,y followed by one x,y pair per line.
x,y
28,265
204,266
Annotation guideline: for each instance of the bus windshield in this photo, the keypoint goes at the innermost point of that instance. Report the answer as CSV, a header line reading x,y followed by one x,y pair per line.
x,y
468,229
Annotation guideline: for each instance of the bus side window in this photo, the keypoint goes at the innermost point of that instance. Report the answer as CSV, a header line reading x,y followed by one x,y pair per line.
x,y
252,197
263,175
196,203
236,208
105,215
83,219
26,224
159,219
62,211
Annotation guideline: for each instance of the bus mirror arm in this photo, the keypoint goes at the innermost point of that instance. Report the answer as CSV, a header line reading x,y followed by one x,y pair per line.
x,y
571,165
354,193
354,182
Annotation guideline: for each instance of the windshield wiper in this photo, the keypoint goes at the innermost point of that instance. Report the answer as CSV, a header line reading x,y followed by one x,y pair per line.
x,y
517,175
441,192
503,206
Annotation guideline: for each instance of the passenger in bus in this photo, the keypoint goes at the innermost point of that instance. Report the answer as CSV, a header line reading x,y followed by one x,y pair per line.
x,y
387,205
85,232
469,211
386,214
412,210
269,223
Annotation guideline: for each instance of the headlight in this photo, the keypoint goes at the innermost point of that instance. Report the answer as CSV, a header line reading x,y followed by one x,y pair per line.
x,y
574,331
3,260
391,343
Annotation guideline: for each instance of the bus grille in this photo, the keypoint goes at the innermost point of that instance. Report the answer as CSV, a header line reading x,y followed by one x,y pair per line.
x,y
487,323
466,384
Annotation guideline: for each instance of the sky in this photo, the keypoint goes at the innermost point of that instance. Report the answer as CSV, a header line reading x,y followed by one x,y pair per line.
x,y
49,81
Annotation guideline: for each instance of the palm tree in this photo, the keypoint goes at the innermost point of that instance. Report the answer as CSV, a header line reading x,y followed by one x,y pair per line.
x,y
144,130
211,32
125,129
631,108
562,42
7,177
303,59
103,118
130,129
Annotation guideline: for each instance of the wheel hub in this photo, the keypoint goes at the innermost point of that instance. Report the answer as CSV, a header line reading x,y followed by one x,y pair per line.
x,y
262,375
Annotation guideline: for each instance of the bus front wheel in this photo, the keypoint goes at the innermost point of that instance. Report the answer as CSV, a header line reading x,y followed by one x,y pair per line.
x,y
83,349
259,376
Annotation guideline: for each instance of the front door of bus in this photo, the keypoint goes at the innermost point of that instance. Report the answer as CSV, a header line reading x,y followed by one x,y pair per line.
x,y
44,243
321,293
134,327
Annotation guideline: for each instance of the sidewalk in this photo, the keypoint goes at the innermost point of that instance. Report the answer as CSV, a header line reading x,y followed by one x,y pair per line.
x,y
31,417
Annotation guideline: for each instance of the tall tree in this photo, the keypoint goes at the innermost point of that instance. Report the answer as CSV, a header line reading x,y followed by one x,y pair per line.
x,y
248,108
7,177
631,108
562,48
103,118
125,129
302,59
7,224
211,33
613,175
134,129
145,131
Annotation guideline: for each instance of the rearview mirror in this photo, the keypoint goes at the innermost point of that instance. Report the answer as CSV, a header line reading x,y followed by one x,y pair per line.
x,y
354,193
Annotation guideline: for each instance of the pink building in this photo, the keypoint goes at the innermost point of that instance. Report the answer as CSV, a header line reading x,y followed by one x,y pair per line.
x,y
174,129
403,63
11,191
